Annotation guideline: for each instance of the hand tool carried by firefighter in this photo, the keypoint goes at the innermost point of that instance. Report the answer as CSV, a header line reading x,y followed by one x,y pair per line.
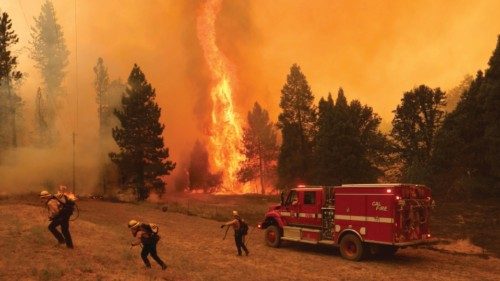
x,y
225,234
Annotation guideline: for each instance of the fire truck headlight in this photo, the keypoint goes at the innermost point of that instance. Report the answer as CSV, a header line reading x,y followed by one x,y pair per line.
x,y
389,190
429,235
398,197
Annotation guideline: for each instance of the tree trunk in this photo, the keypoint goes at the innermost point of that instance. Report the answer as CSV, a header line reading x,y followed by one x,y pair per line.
x,y
13,117
261,171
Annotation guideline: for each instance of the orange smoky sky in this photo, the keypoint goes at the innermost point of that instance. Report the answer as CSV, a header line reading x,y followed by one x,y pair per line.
x,y
375,50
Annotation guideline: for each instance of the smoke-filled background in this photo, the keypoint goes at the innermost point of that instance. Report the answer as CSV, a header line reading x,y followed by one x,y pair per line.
x,y
375,50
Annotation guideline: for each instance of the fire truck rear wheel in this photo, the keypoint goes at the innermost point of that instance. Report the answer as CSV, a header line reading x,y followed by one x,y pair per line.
x,y
273,236
351,247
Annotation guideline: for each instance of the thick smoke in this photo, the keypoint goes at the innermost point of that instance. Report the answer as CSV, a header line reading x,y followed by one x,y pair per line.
x,y
375,51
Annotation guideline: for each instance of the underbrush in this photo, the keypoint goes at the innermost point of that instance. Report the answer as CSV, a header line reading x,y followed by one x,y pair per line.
x,y
50,273
251,207
478,221
38,235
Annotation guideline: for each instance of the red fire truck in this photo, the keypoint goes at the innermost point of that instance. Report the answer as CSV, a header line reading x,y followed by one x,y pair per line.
x,y
360,219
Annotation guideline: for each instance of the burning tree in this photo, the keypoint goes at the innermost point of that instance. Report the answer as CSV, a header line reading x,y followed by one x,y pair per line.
x,y
260,148
225,132
142,159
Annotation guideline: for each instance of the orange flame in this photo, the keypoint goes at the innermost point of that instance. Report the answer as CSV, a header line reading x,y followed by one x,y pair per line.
x,y
226,133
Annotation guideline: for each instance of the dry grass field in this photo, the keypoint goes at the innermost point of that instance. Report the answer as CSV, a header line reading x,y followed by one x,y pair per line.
x,y
193,248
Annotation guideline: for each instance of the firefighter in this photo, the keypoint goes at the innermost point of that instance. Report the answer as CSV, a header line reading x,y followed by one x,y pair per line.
x,y
239,227
63,192
144,235
60,210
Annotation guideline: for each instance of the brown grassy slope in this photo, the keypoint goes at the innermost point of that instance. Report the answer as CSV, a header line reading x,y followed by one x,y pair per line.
x,y
194,250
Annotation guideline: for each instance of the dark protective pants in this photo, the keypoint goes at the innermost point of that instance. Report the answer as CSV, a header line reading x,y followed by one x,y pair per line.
x,y
150,249
238,238
65,237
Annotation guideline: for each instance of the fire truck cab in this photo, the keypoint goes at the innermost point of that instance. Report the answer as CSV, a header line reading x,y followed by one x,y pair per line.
x,y
360,219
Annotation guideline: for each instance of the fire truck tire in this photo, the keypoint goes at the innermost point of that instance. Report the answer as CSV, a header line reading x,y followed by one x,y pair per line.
x,y
351,247
272,236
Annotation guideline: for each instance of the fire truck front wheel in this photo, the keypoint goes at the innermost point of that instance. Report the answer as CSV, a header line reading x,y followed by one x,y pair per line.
x,y
351,247
273,236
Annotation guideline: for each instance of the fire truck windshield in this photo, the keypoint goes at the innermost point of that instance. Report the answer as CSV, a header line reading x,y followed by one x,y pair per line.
x,y
292,198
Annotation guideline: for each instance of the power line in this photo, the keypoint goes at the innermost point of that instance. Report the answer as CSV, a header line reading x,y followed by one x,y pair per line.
x,y
24,14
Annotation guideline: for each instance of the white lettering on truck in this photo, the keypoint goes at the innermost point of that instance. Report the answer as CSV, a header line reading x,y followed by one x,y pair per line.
x,y
378,206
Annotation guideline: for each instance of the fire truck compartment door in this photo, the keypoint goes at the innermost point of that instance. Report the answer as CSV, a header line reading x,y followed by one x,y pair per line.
x,y
350,211
380,217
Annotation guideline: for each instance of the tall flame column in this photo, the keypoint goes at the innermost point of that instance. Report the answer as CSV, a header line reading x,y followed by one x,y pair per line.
x,y
225,132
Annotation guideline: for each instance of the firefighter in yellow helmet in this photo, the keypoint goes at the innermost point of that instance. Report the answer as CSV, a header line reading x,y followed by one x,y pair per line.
x,y
59,214
240,227
144,234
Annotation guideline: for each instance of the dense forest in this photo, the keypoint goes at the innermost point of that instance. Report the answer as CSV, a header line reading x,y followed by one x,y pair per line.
x,y
448,141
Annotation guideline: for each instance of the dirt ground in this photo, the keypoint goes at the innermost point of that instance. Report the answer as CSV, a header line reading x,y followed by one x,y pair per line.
x,y
194,250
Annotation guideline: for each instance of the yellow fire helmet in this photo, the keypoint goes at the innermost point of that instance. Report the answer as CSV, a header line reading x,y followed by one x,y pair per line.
x,y
235,213
133,224
44,194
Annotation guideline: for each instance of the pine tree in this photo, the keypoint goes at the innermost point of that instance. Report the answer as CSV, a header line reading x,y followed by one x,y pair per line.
x,y
101,84
375,148
458,160
296,121
415,123
490,90
51,57
142,159
259,147
324,155
9,100
115,91
40,119
453,95
467,154
348,146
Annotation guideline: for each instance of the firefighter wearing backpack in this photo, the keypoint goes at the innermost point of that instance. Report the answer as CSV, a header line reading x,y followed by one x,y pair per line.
x,y
147,235
240,230
60,210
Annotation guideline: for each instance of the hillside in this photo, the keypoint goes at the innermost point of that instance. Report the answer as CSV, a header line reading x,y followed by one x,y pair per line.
x,y
194,250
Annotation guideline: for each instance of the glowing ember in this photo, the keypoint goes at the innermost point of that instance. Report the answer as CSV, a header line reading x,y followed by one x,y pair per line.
x,y
226,133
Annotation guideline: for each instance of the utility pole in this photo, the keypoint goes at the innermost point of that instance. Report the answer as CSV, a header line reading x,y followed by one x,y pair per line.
x,y
76,105
74,161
